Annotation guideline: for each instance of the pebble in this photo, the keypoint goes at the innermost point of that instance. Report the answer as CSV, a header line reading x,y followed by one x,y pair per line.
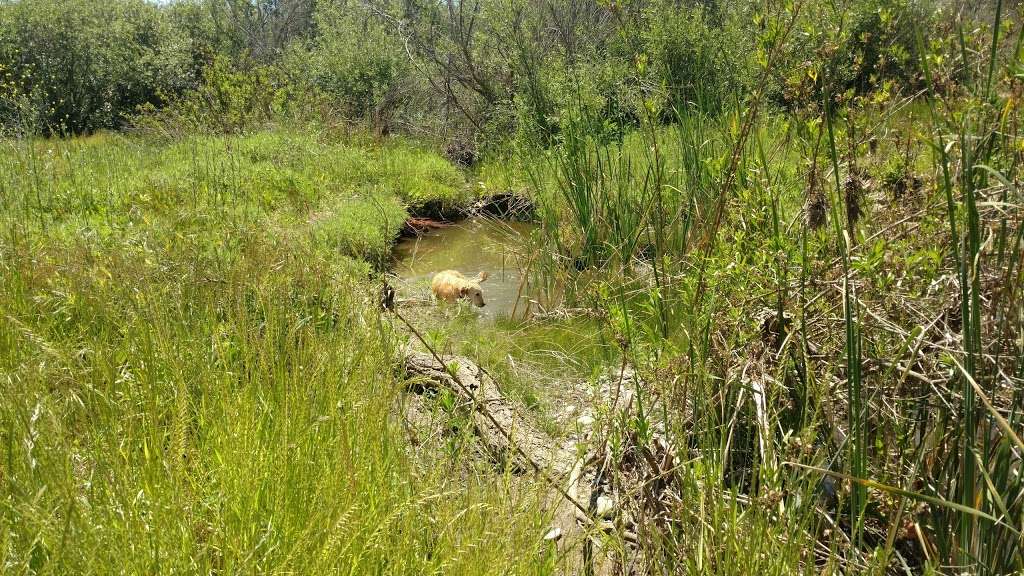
x,y
553,535
605,507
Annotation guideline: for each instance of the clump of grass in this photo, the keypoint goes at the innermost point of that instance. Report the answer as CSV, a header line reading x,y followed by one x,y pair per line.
x,y
422,180
353,197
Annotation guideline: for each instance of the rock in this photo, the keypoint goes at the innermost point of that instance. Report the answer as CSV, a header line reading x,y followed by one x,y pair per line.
x,y
553,535
585,421
605,507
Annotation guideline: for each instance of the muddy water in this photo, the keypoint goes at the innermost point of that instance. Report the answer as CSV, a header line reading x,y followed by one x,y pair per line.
x,y
475,245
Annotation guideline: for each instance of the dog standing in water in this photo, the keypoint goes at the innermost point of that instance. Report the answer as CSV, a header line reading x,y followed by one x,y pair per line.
x,y
450,285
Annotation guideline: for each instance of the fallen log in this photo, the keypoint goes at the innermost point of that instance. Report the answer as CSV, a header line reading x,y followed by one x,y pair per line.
x,y
415,226
501,425
507,432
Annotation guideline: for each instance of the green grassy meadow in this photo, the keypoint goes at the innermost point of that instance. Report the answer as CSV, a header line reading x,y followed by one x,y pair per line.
x,y
196,378
801,224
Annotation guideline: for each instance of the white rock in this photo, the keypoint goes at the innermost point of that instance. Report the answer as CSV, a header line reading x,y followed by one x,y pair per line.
x,y
585,420
553,535
605,507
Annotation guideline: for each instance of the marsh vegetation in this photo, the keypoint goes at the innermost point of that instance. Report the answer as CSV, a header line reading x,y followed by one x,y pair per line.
x,y
763,295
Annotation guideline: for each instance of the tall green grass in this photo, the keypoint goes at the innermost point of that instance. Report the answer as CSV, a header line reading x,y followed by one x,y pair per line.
x,y
975,151
196,379
829,379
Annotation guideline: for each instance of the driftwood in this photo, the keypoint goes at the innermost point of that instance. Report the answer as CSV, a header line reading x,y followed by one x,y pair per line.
x,y
415,226
587,501
476,390
505,205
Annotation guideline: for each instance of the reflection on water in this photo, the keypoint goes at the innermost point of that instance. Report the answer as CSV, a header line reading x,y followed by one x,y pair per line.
x,y
471,246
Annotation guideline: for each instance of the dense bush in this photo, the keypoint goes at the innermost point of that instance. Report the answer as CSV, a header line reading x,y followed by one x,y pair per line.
x,y
698,58
233,100
856,47
474,73
81,65
605,68
355,64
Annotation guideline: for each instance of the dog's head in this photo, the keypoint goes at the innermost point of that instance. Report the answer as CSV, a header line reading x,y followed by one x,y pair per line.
x,y
473,294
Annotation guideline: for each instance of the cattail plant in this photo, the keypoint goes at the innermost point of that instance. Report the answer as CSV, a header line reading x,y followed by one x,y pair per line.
x,y
853,192
816,205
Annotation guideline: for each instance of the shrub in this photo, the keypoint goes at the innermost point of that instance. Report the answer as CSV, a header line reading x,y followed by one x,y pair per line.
x,y
236,99
357,66
856,48
699,59
79,65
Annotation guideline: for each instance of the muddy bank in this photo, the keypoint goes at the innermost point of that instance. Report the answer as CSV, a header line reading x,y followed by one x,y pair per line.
x,y
434,214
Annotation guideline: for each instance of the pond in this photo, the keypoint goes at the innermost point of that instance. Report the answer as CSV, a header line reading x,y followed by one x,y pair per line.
x,y
498,247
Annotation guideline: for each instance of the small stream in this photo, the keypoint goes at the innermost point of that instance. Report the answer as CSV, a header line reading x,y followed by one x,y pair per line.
x,y
497,247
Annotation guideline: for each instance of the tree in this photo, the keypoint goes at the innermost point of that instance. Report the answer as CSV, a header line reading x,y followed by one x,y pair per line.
x,y
260,30
79,65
